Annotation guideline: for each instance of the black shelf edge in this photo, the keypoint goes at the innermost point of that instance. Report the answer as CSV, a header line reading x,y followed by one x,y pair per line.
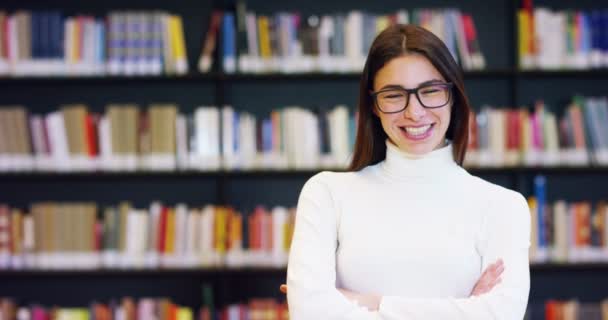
x,y
249,271
100,79
274,173
591,73
194,77
191,272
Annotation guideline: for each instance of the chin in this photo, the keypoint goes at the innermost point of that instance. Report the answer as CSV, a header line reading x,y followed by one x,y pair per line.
x,y
419,148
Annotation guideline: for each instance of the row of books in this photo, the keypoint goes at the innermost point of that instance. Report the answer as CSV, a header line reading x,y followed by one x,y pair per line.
x,y
562,39
288,42
70,236
128,138
129,308
567,232
569,310
524,137
48,43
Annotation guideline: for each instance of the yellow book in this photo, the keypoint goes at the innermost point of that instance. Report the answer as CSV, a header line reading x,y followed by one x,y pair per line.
x,y
184,313
220,230
533,228
381,23
523,31
170,234
265,51
178,45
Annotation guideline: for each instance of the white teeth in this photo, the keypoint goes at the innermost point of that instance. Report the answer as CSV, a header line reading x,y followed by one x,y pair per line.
x,y
417,131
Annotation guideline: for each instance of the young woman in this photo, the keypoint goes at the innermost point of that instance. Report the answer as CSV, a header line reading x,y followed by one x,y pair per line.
x,y
407,233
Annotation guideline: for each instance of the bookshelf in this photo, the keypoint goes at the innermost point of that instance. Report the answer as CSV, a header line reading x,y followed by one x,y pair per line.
x,y
500,84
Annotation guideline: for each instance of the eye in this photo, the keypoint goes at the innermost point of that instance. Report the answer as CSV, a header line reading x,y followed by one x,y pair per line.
x,y
394,96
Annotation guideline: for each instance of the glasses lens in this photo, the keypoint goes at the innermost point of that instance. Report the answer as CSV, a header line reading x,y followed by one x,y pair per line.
x,y
392,100
435,95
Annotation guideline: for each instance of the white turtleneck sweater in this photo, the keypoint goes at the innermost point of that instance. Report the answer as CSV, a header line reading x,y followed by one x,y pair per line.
x,y
416,230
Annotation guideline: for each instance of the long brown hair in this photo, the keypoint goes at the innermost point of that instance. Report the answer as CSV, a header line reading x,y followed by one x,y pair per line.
x,y
393,42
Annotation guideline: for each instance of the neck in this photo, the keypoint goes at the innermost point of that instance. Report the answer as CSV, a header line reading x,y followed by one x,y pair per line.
x,y
436,164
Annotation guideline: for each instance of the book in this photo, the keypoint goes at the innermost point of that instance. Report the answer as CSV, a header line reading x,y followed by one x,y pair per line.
x,y
288,42
127,43
86,236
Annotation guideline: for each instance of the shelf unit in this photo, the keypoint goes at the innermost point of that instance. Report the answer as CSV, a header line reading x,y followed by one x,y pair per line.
x,y
502,84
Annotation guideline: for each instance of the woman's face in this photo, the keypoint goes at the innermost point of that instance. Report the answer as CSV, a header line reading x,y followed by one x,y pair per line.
x,y
416,130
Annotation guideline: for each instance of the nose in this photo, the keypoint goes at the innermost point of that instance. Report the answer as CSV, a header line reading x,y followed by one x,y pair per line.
x,y
414,110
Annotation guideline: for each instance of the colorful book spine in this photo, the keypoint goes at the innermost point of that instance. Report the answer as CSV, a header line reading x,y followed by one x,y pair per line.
x,y
290,43
156,237
128,43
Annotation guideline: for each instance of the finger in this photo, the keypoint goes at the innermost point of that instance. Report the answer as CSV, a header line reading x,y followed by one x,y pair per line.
x,y
283,288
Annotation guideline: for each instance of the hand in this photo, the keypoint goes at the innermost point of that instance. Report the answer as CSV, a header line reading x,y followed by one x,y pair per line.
x,y
372,302
489,278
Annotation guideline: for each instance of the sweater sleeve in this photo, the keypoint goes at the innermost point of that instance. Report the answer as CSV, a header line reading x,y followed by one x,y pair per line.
x,y
311,271
505,234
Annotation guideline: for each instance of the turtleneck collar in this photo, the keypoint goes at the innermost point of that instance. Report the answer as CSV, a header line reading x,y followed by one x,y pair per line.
x,y
433,165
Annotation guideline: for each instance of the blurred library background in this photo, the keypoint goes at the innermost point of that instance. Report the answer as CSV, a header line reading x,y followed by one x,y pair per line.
x,y
152,152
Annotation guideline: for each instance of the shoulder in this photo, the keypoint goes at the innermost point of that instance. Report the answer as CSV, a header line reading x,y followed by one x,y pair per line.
x,y
501,204
336,184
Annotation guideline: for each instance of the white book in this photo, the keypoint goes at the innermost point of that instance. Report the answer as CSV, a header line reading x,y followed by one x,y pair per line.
x,y
181,228
208,254
191,232
207,139
338,134
181,137
58,141
279,219
229,153
247,140
326,30
551,154
252,59
402,16
106,156
354,40
152,259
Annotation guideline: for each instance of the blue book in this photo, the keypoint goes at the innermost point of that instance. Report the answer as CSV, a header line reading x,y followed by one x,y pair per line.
x,y
101,39
236,130
56,35
267,135
585,34
228,43
540,195
35,34
595,22
604,31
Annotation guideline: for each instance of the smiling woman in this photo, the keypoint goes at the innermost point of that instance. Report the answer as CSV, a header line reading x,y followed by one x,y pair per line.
x,y
408,233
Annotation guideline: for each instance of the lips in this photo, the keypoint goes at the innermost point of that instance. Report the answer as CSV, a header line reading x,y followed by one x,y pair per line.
x,y
417,133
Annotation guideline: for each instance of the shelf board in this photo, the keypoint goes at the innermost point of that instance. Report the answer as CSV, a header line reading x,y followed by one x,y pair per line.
x,y
218,272
593,73
144,272
269,173
97,80
195,77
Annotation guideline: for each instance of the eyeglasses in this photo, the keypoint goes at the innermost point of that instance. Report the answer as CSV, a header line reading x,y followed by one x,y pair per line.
x,y
432,95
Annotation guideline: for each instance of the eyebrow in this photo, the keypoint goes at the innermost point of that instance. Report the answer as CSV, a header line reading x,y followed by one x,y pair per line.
x,y
396,86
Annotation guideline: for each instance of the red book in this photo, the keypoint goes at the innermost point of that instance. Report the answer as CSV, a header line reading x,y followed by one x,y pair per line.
x,y
162,230
98,235
472,144
172,312
91,135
